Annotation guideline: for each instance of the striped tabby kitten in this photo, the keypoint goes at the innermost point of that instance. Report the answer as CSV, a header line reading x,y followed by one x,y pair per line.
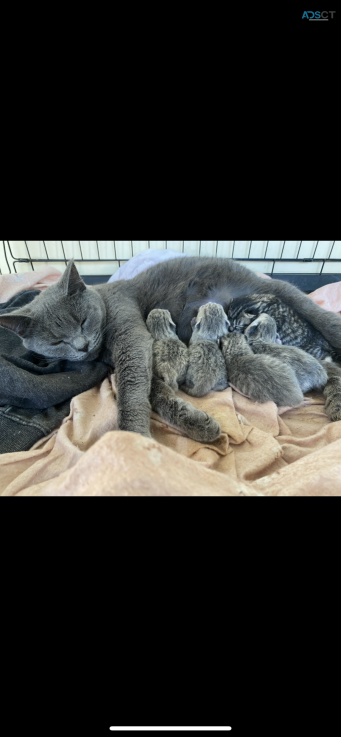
x,y
292,329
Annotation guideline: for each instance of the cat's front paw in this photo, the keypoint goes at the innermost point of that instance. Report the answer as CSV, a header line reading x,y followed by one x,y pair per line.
x,y
204,428
332,407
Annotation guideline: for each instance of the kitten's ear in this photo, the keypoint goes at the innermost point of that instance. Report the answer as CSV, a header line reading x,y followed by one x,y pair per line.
x,y
19,324
193,322
71,283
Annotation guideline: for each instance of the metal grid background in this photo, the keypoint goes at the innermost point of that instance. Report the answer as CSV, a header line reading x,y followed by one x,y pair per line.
x,y
316,262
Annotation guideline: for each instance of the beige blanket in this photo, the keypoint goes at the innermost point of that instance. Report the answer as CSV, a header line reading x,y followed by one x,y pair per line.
x,y
262,451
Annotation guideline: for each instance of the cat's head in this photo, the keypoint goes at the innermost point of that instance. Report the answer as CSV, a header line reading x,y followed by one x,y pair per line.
x,y
263,328
234,344
243,310
211,323
64,322
161,325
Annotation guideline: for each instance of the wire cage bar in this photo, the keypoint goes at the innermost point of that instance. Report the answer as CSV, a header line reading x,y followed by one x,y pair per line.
x,y
308,264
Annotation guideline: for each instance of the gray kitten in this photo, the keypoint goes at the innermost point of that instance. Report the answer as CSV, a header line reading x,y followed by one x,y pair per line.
x,y
170,355
207,369
170,364
262,378
72,321
261,336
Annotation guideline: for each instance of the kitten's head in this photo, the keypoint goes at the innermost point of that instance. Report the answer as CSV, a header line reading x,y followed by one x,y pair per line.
x,y
234,344
161,325
263,328
241,322
211,323
243,310
64,322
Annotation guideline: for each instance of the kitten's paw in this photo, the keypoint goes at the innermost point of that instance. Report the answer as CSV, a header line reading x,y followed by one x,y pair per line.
x,y
203,428
332,408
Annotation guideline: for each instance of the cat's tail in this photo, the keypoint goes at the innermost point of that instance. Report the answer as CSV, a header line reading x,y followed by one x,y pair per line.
x,y
196,424
264,379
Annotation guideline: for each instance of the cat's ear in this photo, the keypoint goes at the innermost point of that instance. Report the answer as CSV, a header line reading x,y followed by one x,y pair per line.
x,y
193,322
19,324
71,283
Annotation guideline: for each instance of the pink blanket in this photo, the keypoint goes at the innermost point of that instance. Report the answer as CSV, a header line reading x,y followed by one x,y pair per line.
x,y
12,284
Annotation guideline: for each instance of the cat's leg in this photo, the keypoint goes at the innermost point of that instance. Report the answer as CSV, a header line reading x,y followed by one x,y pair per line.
x,y
167,373
196,424
132,357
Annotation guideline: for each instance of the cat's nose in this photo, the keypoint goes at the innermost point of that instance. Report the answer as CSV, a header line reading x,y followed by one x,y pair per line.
x,y
84,349
81,345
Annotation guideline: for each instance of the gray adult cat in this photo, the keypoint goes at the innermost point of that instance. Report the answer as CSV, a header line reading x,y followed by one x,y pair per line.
x,y
69,320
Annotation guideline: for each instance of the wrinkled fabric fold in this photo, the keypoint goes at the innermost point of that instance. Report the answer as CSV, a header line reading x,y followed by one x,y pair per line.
x,y
263,451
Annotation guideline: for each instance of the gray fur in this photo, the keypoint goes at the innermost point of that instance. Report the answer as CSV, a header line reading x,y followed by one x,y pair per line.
x,y
170,355
207,369
117,314
261,336
210,324
262,378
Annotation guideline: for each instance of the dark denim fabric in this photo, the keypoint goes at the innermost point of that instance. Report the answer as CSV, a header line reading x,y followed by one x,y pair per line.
x,y
35,392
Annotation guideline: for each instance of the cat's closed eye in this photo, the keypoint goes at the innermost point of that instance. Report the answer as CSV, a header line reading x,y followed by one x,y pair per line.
x,y
57,342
